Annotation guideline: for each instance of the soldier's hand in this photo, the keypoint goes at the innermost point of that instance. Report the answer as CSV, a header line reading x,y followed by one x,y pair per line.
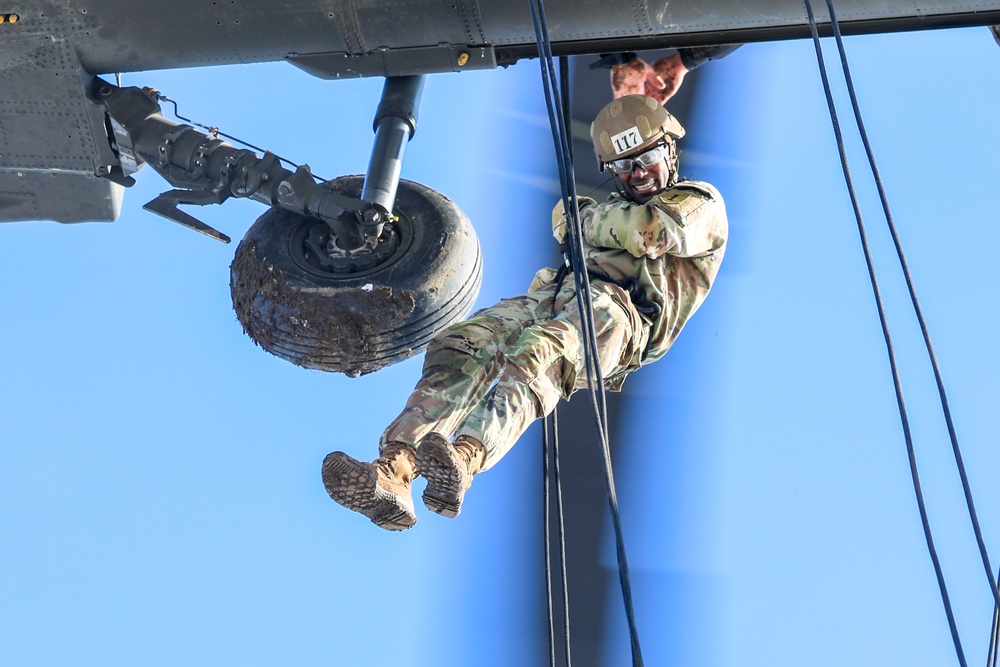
x,y
670,72
559,227
634,78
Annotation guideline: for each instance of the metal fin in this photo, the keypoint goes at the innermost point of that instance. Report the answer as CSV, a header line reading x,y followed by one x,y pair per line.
x,y
166,206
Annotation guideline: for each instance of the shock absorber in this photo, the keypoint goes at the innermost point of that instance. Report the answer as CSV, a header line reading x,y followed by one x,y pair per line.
x,y
394,125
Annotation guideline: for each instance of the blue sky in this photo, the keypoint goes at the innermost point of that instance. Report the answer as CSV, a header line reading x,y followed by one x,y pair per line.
x,y
161,491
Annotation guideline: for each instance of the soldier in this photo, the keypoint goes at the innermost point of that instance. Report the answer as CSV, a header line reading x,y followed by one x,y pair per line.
x,y
652,251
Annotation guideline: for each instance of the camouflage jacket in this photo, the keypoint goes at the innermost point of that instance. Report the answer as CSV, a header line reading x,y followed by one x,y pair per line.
x,y
672,246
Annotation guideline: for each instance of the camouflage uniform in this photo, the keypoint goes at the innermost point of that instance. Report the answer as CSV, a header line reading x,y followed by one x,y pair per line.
x,y
492,375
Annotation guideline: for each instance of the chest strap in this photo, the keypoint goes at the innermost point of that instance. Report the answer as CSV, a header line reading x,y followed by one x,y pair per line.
x,y
635,291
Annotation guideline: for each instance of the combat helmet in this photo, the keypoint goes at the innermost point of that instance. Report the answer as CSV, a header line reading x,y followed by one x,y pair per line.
x,y
630,124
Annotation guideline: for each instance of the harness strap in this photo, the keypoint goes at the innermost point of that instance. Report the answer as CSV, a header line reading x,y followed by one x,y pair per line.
x,y
637,295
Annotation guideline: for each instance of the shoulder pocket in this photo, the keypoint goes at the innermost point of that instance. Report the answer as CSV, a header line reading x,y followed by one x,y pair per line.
x,y
683,203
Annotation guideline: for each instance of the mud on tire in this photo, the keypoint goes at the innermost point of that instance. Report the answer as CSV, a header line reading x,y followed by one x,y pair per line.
x,y
360,319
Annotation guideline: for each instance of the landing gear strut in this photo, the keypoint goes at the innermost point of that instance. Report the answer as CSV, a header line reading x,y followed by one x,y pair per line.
x,y
349,275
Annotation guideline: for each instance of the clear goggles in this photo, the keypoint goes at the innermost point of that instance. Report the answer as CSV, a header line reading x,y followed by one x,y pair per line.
x,y
644,160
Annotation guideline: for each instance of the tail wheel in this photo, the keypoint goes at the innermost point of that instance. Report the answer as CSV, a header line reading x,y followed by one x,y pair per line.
x,y
357,312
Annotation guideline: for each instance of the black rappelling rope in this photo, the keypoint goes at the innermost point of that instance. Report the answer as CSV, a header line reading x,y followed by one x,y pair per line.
x,y
564,98
966,488
991,658
550,434
595,380
919,313
886,335
550,442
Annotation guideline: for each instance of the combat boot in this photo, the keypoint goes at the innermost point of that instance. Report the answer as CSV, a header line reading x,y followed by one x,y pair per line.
x,y
380,490
448,469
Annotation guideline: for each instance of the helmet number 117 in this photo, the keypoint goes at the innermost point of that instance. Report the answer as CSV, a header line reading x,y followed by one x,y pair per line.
x,y
627,140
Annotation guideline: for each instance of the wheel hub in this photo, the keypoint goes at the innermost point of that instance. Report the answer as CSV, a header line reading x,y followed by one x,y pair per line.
x,y
314,248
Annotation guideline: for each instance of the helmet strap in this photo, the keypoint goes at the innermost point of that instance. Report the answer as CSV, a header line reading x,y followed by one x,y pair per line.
x,y
672,164
619,188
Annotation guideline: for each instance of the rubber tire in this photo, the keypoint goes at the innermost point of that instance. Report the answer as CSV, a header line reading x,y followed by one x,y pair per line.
x,y
358,324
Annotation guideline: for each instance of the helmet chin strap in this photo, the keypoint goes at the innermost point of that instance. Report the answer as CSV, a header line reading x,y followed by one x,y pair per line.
x,y
672,165
620,187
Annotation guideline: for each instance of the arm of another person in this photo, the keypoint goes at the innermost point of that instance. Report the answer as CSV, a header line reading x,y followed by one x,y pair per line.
x,y
687,220
662,79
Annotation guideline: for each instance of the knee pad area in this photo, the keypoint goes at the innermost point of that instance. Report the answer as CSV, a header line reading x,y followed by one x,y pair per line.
x,y
549,356
478,340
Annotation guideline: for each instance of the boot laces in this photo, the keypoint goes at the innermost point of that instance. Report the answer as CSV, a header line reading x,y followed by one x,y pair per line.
x,y
395,463
469,455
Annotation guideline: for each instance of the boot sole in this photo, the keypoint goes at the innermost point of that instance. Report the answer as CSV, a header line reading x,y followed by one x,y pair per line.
x,y
353,484
444,493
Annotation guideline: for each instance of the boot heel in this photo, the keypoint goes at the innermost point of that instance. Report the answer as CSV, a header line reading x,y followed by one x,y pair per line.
x,y
448,475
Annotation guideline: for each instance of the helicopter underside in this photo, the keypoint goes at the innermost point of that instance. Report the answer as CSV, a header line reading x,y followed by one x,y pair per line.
x,y
55,158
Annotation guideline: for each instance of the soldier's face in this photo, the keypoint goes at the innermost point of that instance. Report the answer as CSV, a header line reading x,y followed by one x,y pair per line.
x,y
643,183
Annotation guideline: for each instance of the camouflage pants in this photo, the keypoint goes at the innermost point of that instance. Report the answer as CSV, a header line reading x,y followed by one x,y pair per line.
x,y
492,375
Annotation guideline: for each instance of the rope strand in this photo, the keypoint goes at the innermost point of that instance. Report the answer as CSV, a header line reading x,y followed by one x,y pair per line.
x,y
560,518
595,381
966,488
888,338
994,649
550,439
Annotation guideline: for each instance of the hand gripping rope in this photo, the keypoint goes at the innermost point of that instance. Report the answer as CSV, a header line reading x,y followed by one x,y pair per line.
x,y
992,658
595,381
